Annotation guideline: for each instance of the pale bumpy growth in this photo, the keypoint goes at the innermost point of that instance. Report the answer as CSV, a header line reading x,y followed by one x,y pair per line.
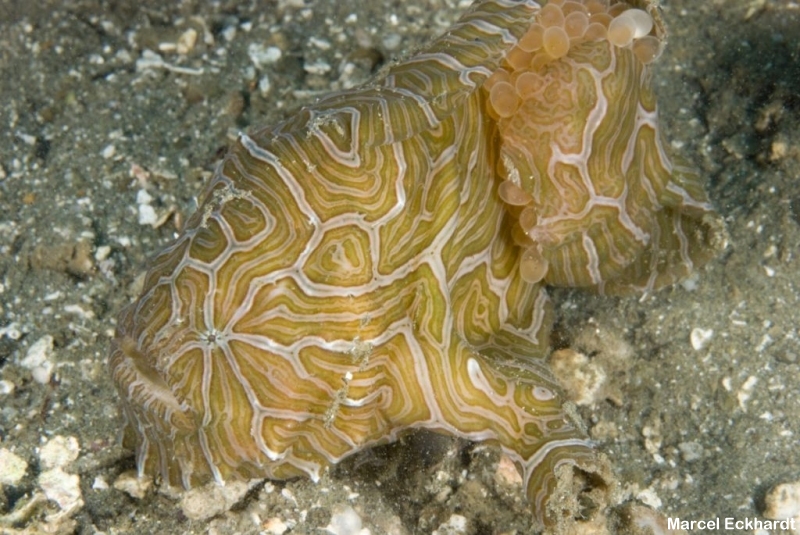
x,y
598,200
370,265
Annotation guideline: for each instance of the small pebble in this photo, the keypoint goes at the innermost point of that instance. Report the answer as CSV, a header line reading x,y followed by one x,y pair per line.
x,y
102,252
132,485
38,359
583,379
262,56
345,521
6,387
62,488
691,451
12,467
700,337
147,214
649,497
186,41
264,85
746,391
274,526
317,67
783,501
391,41
58,452
507,473
455,525
210,500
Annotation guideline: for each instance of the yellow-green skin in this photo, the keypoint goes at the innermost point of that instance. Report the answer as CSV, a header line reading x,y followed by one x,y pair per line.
x,y
351,275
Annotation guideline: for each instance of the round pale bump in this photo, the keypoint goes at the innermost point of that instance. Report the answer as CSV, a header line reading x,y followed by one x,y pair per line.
x,y
647,49
513,195
571,6
615,10
629,25
556,42
528,84
518,58
532,265
551,16
539,61
533,39
527,219
596,6
642,22
595,32
520,239
500,75
575,24
504,99
601,18
621,31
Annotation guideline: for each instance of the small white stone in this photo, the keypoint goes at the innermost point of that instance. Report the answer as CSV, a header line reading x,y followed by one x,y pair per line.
x,y
62,488
649,497
142,197
392,41
262,56
102,252
59,452
186,41
100,483
274,526
345,521
700,337
691,451
322,44
12,467
37,359
455,524
746,391
78,311
264,85
229,33
507,473
210,500
783,501
147,215
6,387
108,152
582,378
132,485
11,331
317,67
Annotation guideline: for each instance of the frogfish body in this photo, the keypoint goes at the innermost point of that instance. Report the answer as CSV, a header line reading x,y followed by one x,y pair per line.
x,y
377,263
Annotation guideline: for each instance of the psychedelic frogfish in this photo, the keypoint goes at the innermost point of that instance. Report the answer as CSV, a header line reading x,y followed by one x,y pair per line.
x,y
377,262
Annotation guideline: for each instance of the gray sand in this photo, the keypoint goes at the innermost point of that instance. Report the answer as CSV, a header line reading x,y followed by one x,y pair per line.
x,y
697,433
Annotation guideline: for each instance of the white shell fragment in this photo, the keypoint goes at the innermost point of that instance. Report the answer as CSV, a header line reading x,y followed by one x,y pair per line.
x,y
210,500
38,359
62,488
700,337
12,467
345,522
262,56
59,486
59,452
783,501
132,485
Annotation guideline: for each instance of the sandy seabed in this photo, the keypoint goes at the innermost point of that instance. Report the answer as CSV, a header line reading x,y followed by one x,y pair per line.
x,y
697,426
